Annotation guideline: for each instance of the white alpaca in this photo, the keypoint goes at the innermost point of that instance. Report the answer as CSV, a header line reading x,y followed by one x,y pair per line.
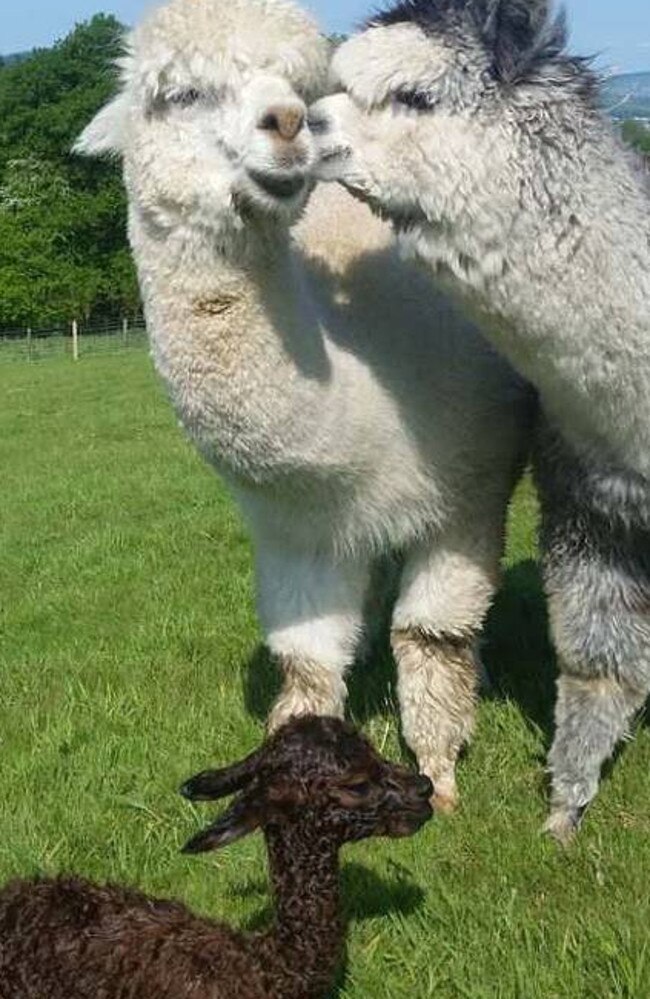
x,y
351,409
469,124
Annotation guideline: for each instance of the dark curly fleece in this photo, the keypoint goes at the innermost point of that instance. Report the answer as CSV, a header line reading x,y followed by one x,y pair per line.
x,y
312,787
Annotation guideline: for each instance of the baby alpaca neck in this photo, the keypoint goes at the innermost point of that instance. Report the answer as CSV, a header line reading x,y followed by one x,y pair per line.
x,y
303,950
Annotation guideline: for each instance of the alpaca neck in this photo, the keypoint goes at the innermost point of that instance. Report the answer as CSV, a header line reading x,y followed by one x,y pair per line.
x,y
184,264
304,949
578,316
232,332
562,290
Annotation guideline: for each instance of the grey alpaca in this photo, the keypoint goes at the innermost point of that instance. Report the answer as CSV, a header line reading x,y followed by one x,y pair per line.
x,y
314,786
468,124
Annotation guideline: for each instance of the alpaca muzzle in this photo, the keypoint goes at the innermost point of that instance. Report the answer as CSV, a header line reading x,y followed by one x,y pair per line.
x,y
284,121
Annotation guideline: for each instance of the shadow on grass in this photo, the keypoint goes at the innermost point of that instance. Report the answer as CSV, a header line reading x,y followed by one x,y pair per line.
x,y
516,650
365,895
261,682
371,683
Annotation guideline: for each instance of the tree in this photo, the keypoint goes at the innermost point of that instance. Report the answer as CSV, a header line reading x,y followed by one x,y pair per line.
x,y
63,247
637,134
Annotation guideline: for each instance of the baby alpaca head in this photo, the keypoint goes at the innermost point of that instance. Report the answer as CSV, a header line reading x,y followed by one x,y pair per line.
x,y
434,90
317,772
211,115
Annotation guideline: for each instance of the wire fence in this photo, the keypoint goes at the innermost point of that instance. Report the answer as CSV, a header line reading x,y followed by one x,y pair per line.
x,y
72,340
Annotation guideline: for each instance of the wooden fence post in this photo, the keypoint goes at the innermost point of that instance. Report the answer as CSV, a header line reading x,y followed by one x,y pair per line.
x,y
125,329
75,340
29,343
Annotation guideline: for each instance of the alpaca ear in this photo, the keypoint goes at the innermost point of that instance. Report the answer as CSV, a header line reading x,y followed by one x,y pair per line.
x,y
515,31
240,820
214,784
106,133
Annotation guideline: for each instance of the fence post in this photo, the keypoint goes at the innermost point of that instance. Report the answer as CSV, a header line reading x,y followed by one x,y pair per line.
x,y
29,343
125,329
75,340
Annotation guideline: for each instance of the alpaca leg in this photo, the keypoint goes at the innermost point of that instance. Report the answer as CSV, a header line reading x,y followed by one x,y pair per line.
x,y
592,715
596,546
311,609
599,602
445,595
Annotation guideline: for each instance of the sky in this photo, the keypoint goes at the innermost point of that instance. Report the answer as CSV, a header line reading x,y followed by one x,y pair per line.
x,y
619,33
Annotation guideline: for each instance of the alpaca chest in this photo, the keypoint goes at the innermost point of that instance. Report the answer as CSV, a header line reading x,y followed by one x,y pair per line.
x,y
317,442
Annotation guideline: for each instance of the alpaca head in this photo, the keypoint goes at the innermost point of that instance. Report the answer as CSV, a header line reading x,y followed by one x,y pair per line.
x,y
211,115
436,91
318,772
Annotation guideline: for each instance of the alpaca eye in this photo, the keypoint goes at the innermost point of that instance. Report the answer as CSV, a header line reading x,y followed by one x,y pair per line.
x,y
360,790
185,98
417,100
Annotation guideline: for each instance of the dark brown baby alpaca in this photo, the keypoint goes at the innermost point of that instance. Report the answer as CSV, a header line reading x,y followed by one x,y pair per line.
x,y
313,786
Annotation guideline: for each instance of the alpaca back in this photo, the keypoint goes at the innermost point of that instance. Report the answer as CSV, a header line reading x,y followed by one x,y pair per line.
x,y
70,939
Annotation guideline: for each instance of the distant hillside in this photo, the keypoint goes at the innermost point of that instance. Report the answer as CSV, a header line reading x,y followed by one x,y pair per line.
x,y
8,60
628,95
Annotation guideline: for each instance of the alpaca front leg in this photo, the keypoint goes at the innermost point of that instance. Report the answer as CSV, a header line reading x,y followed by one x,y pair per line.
x,y
311,609
438,681
444,598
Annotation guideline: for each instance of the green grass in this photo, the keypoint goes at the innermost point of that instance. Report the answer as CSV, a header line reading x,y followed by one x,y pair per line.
x,y
130,659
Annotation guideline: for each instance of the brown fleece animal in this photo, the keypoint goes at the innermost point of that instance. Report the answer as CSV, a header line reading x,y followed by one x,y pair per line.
x,y
313,786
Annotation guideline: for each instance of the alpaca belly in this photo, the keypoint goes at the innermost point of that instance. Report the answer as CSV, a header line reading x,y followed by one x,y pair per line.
x,y
338,518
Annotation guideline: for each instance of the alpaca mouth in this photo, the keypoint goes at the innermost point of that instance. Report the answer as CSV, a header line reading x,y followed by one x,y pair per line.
x,y
282,188
409,820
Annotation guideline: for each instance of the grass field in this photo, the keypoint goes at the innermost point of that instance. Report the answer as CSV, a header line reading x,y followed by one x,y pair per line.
x,y
130,659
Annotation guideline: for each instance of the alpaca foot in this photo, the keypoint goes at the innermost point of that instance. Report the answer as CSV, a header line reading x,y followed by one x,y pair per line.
x,y
444,804
309,689
563,824
444,799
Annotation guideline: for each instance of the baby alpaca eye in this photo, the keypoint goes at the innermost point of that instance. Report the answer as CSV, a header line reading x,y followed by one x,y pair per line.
x,y
361,789
417,100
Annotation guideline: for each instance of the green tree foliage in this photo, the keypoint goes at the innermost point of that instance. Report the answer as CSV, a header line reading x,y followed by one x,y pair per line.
x,y
63,249
638,135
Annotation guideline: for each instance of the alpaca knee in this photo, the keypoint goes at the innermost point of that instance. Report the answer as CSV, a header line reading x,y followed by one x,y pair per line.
x,y
438,682
308,688
312,612
313,658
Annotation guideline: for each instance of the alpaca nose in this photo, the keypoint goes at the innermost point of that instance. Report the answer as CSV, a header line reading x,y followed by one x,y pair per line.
x,y
286,120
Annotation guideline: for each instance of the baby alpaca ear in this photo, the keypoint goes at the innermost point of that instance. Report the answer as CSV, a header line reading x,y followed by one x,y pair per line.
x,y
240,820
214,784
106,133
